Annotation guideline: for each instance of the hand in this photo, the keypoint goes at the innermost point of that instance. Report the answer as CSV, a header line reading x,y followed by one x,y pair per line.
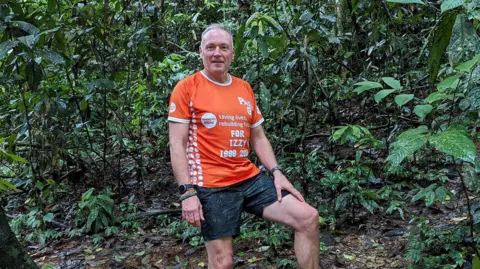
x,y
282,183
192,211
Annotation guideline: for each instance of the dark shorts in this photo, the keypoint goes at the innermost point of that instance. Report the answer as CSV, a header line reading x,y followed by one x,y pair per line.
x,y
222,207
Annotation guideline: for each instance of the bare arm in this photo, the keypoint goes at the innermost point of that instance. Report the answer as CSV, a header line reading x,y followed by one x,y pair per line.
x,y
262,147
178,135
264,151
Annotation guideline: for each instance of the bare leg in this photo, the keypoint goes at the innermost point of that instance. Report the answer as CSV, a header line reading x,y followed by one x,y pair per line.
x,y
220,253
304,219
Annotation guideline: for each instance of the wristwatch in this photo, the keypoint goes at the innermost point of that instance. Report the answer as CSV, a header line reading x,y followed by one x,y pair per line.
x,y
276,168
184,187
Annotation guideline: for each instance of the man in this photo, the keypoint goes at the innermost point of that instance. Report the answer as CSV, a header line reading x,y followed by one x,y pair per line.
x,y
213,117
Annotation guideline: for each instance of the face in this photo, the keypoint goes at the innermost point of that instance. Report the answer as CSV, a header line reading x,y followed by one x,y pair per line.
x,y
217,52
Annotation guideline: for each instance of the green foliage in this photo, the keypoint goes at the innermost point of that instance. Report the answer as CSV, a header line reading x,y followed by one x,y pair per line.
x,y
85,87
34,227
441,39
366,85
453,142
396,206
407,144
475,262
431,194
95,212
435,247
450,4
403,99
406,1
351,134
285,263
379,96
456,143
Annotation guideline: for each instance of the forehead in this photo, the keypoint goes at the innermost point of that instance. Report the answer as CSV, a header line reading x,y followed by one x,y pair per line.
x,y
217,36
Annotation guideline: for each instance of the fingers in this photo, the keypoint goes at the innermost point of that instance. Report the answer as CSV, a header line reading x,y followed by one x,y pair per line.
x,y
297,195
201,214
192,211
279,193
198,217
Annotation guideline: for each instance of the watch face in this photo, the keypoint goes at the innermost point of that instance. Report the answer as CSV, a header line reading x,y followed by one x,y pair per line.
x,y
181,189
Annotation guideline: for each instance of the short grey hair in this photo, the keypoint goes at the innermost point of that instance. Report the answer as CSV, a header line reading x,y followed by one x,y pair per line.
x,y
213,27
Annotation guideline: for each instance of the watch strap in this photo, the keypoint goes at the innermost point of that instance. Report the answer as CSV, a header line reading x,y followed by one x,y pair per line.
x,y
276,168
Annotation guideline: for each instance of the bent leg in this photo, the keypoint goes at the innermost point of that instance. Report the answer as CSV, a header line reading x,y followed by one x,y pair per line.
x,y
304,219
220,253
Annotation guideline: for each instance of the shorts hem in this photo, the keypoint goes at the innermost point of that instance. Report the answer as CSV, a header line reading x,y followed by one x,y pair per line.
x,y
284,193
232,234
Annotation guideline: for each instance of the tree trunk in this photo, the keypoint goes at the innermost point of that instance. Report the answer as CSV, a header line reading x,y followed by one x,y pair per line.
x,y
12,254
341,12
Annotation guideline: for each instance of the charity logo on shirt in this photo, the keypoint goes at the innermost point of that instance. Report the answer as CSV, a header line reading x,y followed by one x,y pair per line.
x,y
173,107
246,103
209,120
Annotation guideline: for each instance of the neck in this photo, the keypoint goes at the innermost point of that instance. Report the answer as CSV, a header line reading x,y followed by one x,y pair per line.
x,y
220,78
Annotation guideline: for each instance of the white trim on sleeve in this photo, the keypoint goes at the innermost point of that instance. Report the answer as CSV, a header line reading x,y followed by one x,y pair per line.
x,y
178,120
258,123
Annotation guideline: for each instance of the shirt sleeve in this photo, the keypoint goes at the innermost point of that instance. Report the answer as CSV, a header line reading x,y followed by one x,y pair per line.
x,y
178,110
257,118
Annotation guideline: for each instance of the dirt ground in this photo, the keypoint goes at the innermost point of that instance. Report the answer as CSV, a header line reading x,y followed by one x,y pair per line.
x,y
372,241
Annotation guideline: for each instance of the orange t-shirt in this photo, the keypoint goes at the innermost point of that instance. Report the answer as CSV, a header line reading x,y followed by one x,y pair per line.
x,y
220,117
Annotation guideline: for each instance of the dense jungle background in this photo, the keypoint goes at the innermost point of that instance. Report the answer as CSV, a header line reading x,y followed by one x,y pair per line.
x,y
372,108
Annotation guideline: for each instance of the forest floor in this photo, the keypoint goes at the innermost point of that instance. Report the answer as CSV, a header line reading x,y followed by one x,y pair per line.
x,y
372,241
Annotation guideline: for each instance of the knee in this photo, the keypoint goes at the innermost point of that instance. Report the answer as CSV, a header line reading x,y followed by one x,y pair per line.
x,y
222,260
309,221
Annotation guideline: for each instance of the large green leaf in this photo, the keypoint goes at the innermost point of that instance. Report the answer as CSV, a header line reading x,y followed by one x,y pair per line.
x,y
366,85
34,74
27,27
5,186
52,5
91,218
434,97
406,1
28,40
271,21
393,83
52,56
407,144
239,40
475,262
450,4
382,94
265,98
449,83
49,217
402,99
6,46
441,39
306,16
101,84
422,110
456,144
15,158
472,101
468,65
464,42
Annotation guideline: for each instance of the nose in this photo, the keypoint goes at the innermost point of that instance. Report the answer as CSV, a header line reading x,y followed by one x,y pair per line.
x,y
216,51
